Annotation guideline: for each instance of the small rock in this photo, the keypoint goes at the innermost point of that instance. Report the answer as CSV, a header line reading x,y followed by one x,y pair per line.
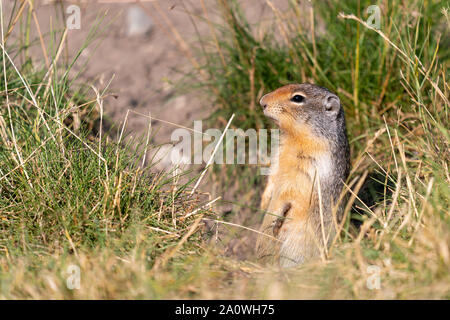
x,y
138,22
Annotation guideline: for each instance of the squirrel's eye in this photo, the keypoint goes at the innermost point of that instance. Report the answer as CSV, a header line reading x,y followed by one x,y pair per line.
x,y
297,98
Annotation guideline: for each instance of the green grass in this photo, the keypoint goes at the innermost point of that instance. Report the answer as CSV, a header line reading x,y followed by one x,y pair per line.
x,y
69,195
72,197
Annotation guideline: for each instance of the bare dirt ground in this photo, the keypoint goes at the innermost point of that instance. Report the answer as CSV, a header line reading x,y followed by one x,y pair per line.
x,y
144,68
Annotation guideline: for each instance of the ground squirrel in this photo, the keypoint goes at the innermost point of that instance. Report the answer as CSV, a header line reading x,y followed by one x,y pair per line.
x,y
313,147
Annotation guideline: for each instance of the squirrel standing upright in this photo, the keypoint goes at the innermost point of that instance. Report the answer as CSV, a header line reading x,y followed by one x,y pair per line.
x,y
312,164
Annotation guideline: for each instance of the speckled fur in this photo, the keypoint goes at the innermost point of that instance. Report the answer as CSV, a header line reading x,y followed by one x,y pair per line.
x,y
313,147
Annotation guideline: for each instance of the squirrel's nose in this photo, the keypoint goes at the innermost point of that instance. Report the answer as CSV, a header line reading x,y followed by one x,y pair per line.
x,y
263,103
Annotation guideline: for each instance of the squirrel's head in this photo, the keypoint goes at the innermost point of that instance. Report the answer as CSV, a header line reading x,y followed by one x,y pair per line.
x,y
296,107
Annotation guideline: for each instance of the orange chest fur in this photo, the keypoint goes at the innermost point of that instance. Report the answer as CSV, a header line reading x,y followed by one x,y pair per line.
x,y
300,160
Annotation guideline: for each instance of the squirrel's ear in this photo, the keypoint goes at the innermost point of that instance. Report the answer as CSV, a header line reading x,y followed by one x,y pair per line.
x,y
332,104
